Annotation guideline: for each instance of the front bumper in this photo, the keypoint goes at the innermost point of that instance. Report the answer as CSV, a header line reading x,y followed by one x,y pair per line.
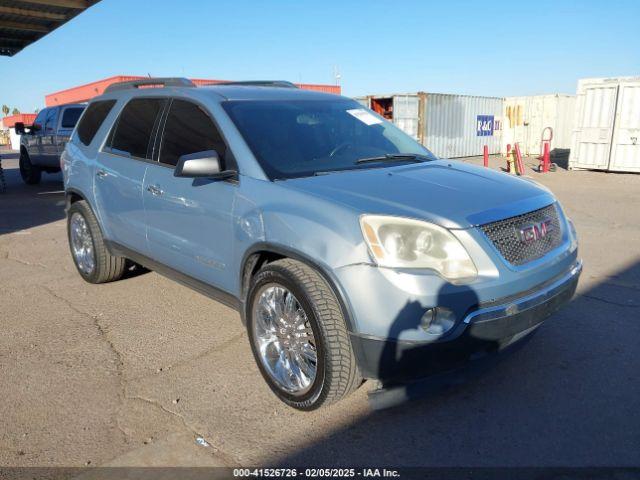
x,y
489,328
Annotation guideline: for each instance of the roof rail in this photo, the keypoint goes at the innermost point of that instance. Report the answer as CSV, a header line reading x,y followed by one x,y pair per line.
x,y
163,82
261,83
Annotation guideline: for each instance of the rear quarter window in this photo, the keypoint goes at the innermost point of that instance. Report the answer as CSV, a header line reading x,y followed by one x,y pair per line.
x,y
92,120
70,117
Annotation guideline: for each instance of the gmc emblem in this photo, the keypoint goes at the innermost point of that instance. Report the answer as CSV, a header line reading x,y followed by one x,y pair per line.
x,y
535,231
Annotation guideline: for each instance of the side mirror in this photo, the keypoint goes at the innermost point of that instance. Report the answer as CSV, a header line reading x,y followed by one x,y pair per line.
x,y
19,128
202,164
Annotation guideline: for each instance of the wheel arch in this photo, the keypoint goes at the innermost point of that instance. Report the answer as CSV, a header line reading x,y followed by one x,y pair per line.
x,y
73,195
262,253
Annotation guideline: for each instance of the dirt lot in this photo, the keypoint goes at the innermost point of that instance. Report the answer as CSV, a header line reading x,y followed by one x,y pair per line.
x,y
130,373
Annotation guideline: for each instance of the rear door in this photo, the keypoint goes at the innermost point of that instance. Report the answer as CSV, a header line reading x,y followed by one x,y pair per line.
x,y
625,148
189,220
595,115
120,171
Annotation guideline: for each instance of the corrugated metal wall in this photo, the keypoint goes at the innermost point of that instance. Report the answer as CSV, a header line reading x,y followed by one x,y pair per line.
x,y
451,124
525,119
406,114
447,124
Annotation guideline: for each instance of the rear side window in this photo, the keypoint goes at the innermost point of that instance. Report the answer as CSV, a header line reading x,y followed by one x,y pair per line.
x,y
70,117
188,130
92,119
136,125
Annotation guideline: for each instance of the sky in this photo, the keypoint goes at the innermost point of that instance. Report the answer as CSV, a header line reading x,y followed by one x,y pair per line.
x,y
494,48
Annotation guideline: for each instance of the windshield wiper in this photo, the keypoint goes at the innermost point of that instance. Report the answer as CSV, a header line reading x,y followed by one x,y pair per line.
x,y
392,157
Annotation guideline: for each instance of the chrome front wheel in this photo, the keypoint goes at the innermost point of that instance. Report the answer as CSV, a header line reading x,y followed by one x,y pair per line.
x,y
284,339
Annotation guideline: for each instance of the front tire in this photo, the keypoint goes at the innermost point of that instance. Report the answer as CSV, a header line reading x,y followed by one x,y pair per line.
x,y
90,255
31,174
298,336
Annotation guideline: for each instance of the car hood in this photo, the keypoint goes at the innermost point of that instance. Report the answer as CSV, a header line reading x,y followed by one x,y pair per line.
x,y
447,192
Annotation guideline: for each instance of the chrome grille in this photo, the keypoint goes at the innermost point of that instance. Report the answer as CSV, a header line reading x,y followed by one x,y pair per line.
x,y
507,235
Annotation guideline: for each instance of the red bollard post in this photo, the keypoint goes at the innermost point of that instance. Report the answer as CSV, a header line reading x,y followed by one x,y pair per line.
x,y
546,160
486,156
519,164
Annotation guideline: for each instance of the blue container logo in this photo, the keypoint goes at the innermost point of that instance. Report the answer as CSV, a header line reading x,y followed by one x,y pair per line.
x,y
484,126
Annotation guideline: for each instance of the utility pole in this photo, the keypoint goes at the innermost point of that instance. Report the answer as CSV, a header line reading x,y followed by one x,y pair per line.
x,y
336,75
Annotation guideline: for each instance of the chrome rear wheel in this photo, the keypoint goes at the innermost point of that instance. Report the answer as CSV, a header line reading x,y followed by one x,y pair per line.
x,y
82,243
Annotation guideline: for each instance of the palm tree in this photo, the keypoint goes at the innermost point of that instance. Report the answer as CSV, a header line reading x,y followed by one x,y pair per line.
x,y
16,111
5,110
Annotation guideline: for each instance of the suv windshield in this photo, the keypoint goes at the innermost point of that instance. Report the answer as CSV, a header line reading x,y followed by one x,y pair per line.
x,y
306,137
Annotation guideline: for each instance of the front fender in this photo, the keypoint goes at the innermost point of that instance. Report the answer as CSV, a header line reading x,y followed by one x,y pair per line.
x,y
273,219
268,212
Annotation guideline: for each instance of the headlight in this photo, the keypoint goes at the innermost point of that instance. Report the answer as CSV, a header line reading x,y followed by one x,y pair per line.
x,y
406,243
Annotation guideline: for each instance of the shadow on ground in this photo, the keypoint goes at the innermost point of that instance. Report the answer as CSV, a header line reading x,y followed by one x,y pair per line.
x,y
26,206
568,397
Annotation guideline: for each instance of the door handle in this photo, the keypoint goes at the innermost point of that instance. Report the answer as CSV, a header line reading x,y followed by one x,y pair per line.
x,y
101,174
155,190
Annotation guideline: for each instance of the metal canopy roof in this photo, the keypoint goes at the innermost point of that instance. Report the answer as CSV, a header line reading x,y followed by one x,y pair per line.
x,y
24,22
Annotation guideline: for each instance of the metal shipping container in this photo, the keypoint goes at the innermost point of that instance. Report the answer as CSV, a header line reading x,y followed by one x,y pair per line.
x,y
461,125
607,125
449,125
526,119
364,101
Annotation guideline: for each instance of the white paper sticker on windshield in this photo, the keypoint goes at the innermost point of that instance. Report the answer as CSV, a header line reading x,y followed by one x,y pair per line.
x,y
364,116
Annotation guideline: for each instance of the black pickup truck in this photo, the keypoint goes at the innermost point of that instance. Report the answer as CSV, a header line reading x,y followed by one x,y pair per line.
x,y
42,143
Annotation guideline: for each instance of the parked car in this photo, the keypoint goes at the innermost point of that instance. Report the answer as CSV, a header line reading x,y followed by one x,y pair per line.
x,y
350,251
42,143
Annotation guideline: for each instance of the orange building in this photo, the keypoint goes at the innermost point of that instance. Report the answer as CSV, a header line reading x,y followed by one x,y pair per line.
x,y
84,93
11,120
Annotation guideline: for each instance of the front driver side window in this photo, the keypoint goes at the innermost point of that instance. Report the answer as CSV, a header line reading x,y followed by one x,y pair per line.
x,y
189,129
51,120
38,123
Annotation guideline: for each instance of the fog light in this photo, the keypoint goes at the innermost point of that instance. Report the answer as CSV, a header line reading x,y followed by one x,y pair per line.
x,y
437,321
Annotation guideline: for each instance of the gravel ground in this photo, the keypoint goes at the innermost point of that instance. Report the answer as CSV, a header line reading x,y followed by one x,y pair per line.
x,y
131,372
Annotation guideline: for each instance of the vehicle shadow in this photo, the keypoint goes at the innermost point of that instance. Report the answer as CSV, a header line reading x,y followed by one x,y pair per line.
x,y
568,397
26,206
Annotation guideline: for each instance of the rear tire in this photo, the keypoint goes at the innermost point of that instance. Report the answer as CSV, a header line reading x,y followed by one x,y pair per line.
x,y
30,173
336,372
90,255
